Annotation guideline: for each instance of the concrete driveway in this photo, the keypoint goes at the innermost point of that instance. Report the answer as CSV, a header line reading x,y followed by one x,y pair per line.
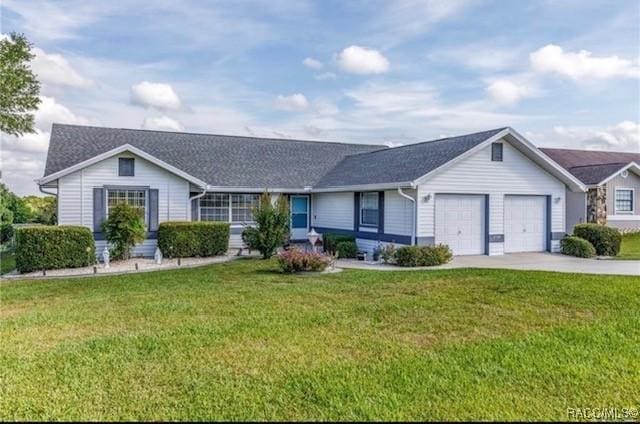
x,y
522,261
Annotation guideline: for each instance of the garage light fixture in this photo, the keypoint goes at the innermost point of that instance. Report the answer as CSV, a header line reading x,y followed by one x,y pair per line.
x,y
426,198
557,199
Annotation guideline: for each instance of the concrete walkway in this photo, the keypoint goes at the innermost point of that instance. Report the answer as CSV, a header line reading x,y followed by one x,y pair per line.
x,y
521,261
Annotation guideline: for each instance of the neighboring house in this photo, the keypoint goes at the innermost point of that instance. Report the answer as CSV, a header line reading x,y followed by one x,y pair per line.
x,y
491,192
613,187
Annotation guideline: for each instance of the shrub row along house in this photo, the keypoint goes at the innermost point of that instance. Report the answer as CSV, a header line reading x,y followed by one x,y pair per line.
x,y
490,192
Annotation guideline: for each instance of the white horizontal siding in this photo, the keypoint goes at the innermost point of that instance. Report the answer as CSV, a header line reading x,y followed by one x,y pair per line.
x,y
332,210
477,174
147,248
398,213
370,245
70,200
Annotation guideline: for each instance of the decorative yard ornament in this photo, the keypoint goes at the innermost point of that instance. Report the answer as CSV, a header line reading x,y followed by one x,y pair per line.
x,y
158,256
105,257
313,238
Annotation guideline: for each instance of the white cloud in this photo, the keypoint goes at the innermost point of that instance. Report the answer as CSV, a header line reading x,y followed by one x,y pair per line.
x,y
158,95
163,123
401,20
624,136
581,65
294,102
51,111
326,76
360,60
504,91
312,63
55,69
23,157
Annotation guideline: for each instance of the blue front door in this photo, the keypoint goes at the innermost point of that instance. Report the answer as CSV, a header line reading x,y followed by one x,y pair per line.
x,y
299,217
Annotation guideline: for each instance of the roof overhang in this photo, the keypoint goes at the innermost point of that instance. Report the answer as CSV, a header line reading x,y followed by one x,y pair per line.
x,y
525,147
118,150
632,166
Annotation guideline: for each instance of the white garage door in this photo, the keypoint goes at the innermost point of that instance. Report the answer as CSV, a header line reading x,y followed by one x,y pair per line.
x,y
525,224
460,223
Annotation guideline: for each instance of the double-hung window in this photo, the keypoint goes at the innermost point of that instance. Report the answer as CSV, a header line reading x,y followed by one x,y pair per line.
x,y
369,209
228,207
624,200
137,199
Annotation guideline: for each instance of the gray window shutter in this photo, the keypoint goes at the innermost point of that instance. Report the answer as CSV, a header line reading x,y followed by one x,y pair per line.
x,y
153,209
195,204
98,209
381,211
356,211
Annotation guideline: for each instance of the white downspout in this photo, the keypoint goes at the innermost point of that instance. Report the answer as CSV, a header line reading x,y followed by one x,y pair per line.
x,y
414,235
197,196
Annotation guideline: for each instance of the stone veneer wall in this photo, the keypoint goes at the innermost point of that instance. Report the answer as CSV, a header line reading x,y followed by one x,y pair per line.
x,y
597,205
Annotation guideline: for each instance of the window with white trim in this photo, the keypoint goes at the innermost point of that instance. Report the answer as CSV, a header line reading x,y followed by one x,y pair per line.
x,y
242,207
369,209
624,200
228,207
214,207
134,198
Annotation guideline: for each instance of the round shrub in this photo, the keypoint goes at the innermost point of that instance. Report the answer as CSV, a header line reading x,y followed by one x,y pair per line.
x,y
53,247
605,240
410,256
296,260
330,241
578,247
193,238
347,249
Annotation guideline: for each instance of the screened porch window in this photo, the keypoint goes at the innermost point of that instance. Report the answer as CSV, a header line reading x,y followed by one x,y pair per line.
x,y
134,198
369,209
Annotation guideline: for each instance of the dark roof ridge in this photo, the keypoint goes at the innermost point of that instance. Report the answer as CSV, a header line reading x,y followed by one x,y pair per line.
x,y
296,140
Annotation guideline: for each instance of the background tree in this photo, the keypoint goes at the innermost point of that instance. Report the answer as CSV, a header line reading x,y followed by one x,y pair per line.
x,y
19,87
13,209
272,226
123,229
42,210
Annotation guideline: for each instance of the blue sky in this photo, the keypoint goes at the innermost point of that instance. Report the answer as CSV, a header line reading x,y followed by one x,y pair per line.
x,y
563,73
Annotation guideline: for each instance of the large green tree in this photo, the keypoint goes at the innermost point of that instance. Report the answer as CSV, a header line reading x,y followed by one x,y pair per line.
x,y
13,209
43,209
19,87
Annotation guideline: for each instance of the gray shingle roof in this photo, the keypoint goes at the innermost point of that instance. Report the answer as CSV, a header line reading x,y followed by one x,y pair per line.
x,y
235,161
591,166
401,164
219,160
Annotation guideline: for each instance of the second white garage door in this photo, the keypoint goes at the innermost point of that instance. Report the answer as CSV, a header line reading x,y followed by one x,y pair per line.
x,y
525,224
460,223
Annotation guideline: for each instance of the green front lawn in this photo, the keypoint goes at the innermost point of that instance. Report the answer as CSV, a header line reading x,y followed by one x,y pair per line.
x,y
240,341
630,248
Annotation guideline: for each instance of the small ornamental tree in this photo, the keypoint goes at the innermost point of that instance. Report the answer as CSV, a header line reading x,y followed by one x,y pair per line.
x,y
123,229
271,228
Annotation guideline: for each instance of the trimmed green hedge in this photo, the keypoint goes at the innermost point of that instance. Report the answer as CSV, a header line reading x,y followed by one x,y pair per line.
x,y
411,256
330,241
53,247
347,249
576,246
605,240
183,239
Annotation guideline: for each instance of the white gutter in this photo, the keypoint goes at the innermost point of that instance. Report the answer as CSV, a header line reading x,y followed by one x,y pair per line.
x,y
414,235
197,196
